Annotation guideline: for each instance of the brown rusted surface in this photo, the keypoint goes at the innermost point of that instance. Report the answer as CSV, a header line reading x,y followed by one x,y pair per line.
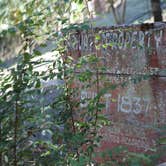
x,y
134,58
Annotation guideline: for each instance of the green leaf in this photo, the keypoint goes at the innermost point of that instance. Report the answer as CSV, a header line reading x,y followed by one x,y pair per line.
x,y
45,154
38,84
97,37
27,57
162,141
103,120
12,31
36,52
21,27
7,86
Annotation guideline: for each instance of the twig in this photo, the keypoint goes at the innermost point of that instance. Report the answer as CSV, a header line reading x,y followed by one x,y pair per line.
x,y
15,133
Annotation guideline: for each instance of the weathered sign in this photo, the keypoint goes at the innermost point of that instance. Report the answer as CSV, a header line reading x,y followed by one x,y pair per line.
x,y
134,58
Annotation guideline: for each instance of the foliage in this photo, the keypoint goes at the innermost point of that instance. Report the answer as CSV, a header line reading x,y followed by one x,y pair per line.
x,y
45,125
35,131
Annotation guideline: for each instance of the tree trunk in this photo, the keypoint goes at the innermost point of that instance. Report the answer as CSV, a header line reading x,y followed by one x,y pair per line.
x,y
118,13
156,10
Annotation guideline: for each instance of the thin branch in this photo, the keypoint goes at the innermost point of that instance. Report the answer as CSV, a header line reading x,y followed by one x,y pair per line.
x,y
15,132
123,11
115,14
156,10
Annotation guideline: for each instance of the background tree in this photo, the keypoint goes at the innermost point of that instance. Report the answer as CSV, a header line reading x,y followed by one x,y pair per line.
x,y
118,10
156,10
117,7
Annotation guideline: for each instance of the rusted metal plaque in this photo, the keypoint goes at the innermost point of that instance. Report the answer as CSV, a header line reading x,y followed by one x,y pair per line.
x,y
134,58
